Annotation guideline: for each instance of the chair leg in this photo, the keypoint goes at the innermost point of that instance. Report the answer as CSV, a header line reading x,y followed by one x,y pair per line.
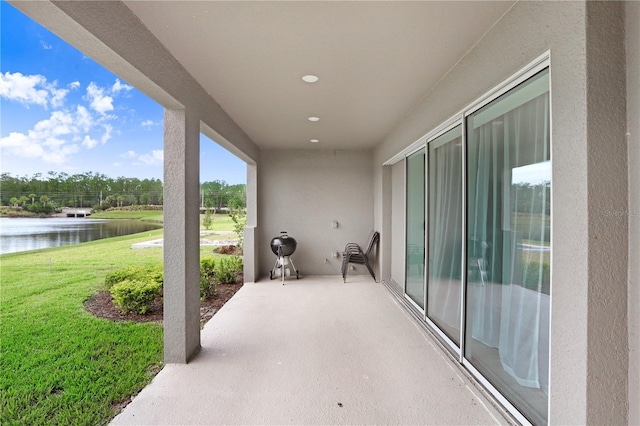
x,y
370,270
345,268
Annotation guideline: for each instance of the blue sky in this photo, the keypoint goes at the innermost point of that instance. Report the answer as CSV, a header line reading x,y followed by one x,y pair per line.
x,y
61,111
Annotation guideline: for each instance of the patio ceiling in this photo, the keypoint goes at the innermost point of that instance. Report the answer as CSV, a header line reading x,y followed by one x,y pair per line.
x,y
375,61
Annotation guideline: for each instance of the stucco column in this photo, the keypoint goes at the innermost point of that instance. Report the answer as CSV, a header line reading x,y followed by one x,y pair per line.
x,y
385,226
607,183
251,242
632,30
181,236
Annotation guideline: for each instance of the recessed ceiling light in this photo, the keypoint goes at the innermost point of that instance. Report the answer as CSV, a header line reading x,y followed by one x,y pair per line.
x,y
315,140
310,78
314,119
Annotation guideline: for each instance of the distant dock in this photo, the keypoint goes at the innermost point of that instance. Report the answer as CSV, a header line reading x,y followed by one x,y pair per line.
x,y
78,212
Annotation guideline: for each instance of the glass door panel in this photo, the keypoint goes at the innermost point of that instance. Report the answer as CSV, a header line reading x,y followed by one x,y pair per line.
x,y
444,288
508,245
415,238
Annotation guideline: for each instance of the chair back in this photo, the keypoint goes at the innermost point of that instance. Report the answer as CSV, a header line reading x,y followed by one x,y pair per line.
x,y
375,237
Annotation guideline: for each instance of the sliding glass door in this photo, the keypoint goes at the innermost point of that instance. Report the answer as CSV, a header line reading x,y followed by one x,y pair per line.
x,y
479,196
508,244
444,287
415,228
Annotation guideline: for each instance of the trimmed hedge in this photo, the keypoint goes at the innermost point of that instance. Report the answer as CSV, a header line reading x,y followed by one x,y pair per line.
x,y
135,296
134,273
223,270
134,288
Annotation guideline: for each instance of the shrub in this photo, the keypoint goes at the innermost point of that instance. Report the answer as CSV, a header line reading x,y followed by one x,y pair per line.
x,y
223,270
207,277
239,218
153,273
39,208
537,276
228,269
207,221
137,207
135,296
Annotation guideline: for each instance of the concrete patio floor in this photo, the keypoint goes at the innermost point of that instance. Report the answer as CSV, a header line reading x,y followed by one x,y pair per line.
x,y
314,351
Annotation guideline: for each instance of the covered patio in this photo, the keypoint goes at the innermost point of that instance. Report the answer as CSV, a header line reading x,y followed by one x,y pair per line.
x,y
314,351
327,102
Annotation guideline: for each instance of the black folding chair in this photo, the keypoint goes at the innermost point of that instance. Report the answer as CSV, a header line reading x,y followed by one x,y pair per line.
x,y
353,254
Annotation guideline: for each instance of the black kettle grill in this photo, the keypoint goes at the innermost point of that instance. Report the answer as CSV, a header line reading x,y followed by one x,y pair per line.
x,y
283,247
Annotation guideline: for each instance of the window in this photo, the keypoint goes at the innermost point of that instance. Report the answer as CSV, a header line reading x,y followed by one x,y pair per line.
x,y
444,288
414,273
508,244
478,199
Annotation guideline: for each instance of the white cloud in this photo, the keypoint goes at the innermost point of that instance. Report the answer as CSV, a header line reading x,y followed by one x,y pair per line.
x,y
148,123
83,118
67,130
45,46
53,140
57,97
20,145
59,124
98,100
31,89
129,154
51,150
154,158
107,133
117,87
88,142
60,155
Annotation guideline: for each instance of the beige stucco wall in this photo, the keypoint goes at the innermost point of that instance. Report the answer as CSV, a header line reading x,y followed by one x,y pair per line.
x,y
607,186
181,233
382,192
303,192
397,222
589,371
632,28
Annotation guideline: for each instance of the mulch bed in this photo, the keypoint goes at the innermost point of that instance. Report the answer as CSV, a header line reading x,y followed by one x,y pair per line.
x,y
101,305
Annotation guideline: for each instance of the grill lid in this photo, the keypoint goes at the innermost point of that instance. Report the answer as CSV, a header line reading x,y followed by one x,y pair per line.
x,y
285,243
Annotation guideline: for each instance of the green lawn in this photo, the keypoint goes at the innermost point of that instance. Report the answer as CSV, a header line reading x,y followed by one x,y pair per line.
x,y
221,222
59,365
146,215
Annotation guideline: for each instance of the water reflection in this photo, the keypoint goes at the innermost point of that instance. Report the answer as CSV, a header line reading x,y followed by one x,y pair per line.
x,y
21,234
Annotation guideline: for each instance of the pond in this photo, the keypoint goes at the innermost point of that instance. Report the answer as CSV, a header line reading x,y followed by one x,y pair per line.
x,y
21,234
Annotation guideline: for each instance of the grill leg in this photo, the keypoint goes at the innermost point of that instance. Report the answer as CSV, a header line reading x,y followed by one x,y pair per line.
x,y
272,272
294,268
282,268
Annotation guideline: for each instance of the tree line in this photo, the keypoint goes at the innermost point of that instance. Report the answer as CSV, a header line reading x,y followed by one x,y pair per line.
x,y
532,199
47,192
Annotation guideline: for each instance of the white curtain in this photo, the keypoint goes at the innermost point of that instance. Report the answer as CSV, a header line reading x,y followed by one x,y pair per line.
x,y
508,283
484,246
524,341
445,232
